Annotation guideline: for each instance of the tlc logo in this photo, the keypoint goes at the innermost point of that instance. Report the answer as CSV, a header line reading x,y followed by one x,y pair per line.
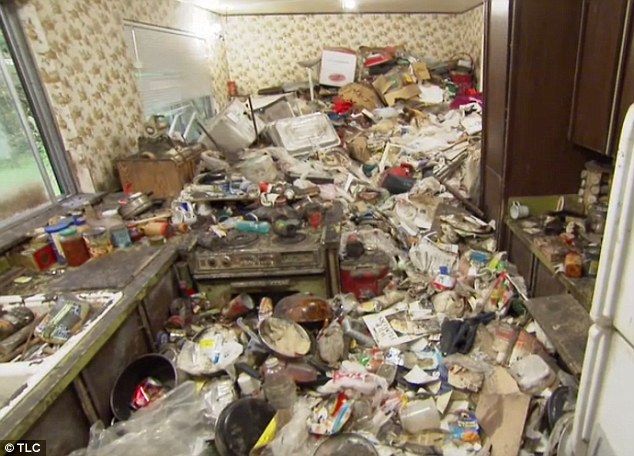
x,y
24,448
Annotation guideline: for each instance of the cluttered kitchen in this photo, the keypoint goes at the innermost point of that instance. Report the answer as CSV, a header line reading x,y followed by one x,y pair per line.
x,y
248,228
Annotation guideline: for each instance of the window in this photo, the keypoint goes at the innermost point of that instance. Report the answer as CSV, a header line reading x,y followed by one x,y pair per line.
x,y
173,75
26,175
34,172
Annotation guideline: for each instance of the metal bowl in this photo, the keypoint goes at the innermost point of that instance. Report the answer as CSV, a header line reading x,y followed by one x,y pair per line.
x,y
304,309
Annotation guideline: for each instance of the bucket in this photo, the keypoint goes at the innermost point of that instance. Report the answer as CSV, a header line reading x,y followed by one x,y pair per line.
x,y
152,365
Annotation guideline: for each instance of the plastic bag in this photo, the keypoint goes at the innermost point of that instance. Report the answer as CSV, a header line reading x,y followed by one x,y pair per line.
x,y
293,438
176,424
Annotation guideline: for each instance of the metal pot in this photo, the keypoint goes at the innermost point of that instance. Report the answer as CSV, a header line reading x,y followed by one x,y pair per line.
x,y
138,203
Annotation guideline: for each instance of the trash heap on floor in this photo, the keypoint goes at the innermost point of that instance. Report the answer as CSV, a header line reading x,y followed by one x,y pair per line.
x,y
427,349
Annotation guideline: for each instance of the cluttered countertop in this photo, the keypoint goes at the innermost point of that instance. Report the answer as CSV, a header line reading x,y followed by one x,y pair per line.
x,y
343,293
56,316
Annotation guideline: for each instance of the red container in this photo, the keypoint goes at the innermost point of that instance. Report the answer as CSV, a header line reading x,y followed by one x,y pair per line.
x,y
365,277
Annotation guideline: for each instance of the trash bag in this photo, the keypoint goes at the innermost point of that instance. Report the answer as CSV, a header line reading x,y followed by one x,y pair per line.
x,y
176,424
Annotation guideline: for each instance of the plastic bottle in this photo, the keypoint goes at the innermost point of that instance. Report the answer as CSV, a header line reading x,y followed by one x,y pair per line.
x,y
248,226
279,387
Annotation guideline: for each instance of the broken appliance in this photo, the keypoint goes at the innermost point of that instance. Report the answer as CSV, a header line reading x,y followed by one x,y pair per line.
x,y
267,264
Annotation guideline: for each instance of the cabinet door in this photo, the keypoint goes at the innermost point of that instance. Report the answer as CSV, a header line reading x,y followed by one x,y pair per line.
x,y
522,257
545,283
600,49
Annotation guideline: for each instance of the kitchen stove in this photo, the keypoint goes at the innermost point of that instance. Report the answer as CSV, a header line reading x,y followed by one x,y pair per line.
x,y
248,254
267,263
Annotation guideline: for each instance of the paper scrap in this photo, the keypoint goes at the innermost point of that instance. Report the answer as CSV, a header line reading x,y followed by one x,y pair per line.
x,y
472,123
382,332
418,376
427,257
431,94
442,402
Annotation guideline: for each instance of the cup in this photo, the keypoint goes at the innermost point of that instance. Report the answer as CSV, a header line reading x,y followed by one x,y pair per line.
x,y
518,211
419,415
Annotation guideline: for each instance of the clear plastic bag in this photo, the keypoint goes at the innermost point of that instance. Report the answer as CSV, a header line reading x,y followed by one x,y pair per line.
x,y
293,438
177,425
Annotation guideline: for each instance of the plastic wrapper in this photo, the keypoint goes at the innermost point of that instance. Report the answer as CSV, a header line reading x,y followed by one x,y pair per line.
x,y
293,438
215,350
354,376
65,319
177,425
217,396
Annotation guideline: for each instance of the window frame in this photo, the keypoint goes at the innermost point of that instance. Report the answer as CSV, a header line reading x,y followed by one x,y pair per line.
x,y
41,110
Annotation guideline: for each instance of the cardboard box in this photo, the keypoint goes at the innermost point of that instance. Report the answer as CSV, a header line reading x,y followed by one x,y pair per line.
x,y
407,92
338,67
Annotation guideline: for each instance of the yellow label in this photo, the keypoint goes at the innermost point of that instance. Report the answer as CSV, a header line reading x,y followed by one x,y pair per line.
x,y
267,435
207,344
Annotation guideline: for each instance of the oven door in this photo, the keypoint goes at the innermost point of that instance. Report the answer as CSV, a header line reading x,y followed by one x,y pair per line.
x,y
276,288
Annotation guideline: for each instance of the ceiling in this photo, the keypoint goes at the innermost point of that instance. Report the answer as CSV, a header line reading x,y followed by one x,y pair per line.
x,y
334,6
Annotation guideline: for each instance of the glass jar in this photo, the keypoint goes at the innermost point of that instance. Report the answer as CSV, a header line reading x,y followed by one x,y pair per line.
x,y
591,260
98,242
597,215
119,234
74,247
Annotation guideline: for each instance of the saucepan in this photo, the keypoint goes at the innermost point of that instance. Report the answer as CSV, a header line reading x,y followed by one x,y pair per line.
x,y
282,337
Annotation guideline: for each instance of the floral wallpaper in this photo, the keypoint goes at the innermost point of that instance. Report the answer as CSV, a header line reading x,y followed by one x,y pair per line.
x,y
265,50
472,30
80,49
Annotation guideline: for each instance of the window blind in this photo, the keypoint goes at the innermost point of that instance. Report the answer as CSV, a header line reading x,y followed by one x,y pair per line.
x,y
172,68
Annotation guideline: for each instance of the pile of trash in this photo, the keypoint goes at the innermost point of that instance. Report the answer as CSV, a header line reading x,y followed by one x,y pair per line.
x,y
435,354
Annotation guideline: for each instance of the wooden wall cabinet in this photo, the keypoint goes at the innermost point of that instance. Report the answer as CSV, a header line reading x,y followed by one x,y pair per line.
x,y
529,76
604,75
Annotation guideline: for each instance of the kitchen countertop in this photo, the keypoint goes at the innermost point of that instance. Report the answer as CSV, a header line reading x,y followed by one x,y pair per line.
x,y
146,266
582,289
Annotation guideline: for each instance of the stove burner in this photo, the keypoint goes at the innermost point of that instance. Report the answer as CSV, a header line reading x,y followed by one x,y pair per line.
x,y
295,239
234,239
239,239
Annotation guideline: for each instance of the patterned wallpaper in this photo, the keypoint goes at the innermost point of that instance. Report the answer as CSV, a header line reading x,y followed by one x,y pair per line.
x,y
472,30
80,49
264,50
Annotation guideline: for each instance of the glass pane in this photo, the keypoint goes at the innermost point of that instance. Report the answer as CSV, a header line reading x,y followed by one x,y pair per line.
x,y
22,185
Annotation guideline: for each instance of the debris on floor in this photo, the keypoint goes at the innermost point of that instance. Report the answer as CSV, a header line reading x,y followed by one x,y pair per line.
x,y
427,349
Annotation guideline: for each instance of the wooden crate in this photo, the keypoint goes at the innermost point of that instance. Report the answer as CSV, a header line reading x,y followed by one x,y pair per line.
x,y
164,177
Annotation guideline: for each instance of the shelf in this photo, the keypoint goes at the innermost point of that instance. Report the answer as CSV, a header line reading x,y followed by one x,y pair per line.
x,y
566,323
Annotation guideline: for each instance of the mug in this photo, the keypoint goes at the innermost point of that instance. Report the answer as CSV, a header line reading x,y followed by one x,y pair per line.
x,y
518,211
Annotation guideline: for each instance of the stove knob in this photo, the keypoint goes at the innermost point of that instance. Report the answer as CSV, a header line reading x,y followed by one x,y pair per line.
x,y
226,261
212,262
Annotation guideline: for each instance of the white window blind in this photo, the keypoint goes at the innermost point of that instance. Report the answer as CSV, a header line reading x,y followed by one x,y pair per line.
x,y
172,67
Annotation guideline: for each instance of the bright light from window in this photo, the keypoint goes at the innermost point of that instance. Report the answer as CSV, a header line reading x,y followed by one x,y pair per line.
x,y
349,4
